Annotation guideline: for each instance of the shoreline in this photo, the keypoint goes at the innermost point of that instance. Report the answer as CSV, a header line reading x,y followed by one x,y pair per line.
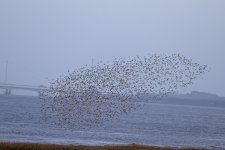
x,y
40,146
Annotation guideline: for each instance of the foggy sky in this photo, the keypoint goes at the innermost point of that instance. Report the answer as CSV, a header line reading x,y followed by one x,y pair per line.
x,y
44,38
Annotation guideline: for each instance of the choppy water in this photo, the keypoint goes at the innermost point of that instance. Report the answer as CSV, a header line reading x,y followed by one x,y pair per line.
x,y
156,124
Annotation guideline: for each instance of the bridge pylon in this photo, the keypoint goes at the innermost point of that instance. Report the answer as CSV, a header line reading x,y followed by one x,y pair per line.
x,y
8,92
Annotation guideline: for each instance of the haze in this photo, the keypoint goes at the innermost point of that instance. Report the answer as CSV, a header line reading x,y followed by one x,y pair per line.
x,y
45,38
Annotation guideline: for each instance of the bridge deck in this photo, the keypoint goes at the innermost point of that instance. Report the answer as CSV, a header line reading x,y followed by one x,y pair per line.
x,y
23,87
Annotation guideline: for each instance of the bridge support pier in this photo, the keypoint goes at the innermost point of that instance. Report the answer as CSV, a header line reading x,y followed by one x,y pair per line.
x,y
7,91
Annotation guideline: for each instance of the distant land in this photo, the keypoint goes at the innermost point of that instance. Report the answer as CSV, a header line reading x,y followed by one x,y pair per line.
x,y
194,98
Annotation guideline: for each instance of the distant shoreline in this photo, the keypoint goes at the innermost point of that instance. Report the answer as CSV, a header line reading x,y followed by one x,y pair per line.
x,y
38,146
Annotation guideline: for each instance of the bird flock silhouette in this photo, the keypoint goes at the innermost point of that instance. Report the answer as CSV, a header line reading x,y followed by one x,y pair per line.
x,y
91,95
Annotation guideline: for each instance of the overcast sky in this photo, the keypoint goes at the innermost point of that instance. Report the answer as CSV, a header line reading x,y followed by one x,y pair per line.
x,y
44,38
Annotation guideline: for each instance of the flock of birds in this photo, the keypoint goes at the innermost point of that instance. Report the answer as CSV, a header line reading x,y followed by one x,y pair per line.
x,y
91,95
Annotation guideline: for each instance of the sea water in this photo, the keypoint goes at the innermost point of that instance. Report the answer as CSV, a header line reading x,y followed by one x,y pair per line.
x,y
159,124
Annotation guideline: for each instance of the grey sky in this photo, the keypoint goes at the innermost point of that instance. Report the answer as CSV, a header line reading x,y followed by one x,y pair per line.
x,y
45,38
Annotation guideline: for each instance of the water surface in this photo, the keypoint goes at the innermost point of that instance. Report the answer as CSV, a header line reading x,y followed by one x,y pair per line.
x,y
161,124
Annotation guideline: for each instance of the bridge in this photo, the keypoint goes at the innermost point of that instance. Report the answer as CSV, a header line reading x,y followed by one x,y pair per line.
x,y
9,87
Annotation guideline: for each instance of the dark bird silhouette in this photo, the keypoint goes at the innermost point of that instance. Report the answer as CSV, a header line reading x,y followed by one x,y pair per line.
x,y
92,95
